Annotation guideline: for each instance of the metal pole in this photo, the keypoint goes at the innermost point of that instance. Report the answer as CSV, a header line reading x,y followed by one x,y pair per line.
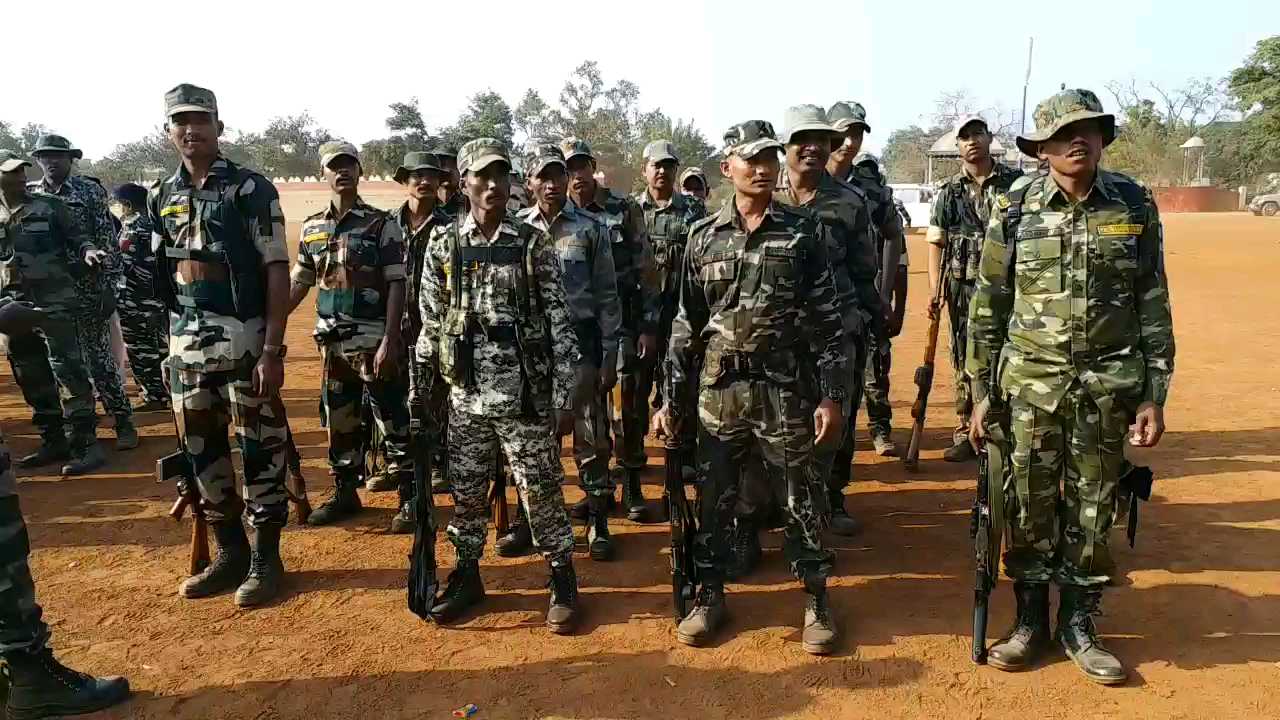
x,y
1022,124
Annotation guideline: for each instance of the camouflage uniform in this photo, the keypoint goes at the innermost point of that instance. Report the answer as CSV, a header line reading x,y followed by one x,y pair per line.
x,y
21,626
87,201
958,220
355,259
747,301
41,246
591,291
1071,318
216,334
143,319
523,352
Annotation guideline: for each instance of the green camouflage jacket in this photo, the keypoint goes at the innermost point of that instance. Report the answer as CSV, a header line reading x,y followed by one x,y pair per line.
x,y
41,246
639,285
87,200
960,213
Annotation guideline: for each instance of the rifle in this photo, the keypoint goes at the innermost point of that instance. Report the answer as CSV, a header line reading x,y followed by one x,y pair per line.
x,y
498,496
986,527
177,467
924,373
684,526
423,583
1137,484
298,495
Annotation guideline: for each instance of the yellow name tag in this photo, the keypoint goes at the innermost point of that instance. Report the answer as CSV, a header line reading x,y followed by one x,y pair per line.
x,y
321,235
168,210
1002,202
1119,230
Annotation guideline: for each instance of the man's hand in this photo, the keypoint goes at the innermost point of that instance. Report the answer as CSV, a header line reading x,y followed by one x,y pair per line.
x,y
978,425
19,318
94,258
386,362
826,422
564,423
268,375
935,306
664,424
1148,427
647,347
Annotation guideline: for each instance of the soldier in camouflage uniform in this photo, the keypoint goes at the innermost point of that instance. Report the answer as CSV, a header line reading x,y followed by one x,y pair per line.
x,y
422,174
88,203
756,285
43,251
38,685
496,327
847,163
693,182
452,200
143,319
591,290
957,223
224,276
1071,321
638,297
354,252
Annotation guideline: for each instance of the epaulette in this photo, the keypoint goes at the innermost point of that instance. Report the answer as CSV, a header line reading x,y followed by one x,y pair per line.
x,y
704,222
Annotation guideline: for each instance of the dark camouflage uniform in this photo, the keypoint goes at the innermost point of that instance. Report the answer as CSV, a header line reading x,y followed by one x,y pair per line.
x,y
437,410
523,370
87,201
1071,318
354,260
212,355
591,292
958,219
144,323
41,251
748,300
21,626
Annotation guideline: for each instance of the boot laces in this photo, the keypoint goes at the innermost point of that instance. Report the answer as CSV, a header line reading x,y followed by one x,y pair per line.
x,y
73,679
563,588
821,610
454,589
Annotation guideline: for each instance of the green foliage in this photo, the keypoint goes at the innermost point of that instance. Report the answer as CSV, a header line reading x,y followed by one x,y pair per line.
x,y
1255,86
487,115
905,157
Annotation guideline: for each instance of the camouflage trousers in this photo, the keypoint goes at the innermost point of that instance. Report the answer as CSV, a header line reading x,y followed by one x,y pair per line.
x,y
49,368
533,454
204,404
21,626
94,333
835,462
348,380
734,418
591,446
876,386
631,422
1066,468
959,295
144,322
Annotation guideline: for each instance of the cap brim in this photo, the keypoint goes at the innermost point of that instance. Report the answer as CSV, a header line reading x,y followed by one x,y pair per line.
x,y
402,173
749,150
324,162
807,127
586,155
536,168
663,158
842,126
1028,143
189,108
485,161
73,152
14,164
966,123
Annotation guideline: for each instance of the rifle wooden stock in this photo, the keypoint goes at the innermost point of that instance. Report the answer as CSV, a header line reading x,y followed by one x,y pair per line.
x,y
924,373
498,498
298,494
199,555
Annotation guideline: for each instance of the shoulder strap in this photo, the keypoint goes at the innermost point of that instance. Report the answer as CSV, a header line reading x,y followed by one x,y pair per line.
x,y
455,267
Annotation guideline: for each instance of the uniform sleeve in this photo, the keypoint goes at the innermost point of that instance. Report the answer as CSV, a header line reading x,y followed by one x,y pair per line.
x,y
1154,313
104,230
646,267
822,323
304,268
604,282
861,259
686,343
433,300
260,202
391,251
937,234
72,232
991,305
159,233
564,339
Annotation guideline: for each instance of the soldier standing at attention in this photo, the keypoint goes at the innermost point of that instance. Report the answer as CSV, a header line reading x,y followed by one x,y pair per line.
x,y
354,252
638,296
756,285
38,685
143,320
848,164
87,200
693,182
452,201
224,276
1071,322
591,290
43,252
422,175
496,327
958,222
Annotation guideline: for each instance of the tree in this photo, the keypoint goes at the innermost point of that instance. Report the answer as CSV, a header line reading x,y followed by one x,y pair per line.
x,y
1255,86
905,157
533,117
406,123
487,115
8,140
288,147
1155,120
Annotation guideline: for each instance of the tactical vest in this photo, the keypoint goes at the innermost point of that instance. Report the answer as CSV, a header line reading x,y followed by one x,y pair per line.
x,y
353,284
669,232
226,276
463,328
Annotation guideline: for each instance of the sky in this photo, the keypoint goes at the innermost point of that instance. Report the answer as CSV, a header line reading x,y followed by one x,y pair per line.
x,y
716,63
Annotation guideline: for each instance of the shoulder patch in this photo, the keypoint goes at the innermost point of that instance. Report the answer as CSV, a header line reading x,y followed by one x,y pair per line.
x,y
1002,201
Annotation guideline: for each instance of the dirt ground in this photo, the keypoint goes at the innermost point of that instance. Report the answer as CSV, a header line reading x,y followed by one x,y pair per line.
x,y
1196,616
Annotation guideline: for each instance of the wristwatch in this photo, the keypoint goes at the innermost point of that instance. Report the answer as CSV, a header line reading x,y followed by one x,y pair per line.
x,y
278,350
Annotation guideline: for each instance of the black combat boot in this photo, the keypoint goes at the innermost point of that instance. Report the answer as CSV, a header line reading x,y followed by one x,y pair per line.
x,y
439,479
126,433
633,498
744,549
707,615
599,544
820,633
230,562
518,541
41,687
465,590
961,451
266,571
562,616
344,503
841,523
1079,636
1029,637
85,460
582,509
407,518
53,448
